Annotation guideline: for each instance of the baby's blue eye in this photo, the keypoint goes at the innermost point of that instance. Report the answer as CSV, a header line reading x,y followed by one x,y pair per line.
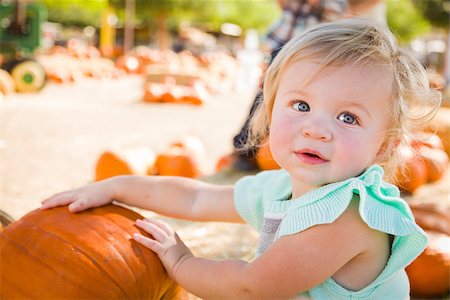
x,y
348,118
301,106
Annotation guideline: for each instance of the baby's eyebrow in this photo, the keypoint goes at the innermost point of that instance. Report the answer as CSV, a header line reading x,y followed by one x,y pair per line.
x,y
295,93
357,105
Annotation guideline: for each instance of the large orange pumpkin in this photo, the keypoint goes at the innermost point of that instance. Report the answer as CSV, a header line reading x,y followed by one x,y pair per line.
x,y
429,274
55,254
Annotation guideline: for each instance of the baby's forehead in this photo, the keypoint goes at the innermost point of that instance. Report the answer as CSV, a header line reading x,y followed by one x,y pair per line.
x,y
365,84
312,70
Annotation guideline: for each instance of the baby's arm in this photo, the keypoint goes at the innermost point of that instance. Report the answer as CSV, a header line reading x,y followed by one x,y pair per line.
x,y
171,196
293,264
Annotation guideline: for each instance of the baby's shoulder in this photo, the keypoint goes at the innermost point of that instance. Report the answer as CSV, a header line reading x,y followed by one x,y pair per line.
x,y
374,250
351,220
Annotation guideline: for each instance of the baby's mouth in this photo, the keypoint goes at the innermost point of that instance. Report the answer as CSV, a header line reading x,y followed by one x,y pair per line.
x,y
311,157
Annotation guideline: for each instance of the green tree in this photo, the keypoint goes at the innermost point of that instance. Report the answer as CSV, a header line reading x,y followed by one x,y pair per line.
x,y
405,20
437,12
210,14
75,12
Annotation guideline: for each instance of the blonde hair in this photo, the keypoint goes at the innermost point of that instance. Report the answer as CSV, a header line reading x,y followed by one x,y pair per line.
x,y
356,42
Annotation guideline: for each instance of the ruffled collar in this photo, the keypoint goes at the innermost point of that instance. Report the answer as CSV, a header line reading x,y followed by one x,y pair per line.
x,y
371,180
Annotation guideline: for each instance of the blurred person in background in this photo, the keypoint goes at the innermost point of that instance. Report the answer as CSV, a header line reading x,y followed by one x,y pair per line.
x,y
297,16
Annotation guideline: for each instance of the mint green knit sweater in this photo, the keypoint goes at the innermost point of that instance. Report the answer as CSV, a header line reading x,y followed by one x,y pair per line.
x,y
257,197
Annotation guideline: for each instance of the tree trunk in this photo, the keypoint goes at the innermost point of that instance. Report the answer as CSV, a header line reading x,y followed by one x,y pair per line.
x,y
447,61
130,7
163,34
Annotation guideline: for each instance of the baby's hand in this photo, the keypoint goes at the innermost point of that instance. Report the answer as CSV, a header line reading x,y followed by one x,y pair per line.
x,y
92,195
170,248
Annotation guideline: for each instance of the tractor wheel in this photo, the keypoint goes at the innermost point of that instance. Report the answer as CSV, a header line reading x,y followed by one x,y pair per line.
x,y
29,76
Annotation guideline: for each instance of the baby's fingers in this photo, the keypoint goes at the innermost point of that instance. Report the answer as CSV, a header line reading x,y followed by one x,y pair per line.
x,y
158,233
153,245
59,199
162,225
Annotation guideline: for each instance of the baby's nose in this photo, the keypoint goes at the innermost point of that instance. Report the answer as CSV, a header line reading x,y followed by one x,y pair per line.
x,y
317,132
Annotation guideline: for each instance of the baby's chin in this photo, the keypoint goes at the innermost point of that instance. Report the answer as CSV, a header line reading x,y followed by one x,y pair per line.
x,y
316,179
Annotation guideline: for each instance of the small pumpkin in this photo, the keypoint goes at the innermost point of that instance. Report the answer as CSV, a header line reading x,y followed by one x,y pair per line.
x,y
55,254
415,172
430,272
176,161
264,158
425,162
153,92
224,162
133,161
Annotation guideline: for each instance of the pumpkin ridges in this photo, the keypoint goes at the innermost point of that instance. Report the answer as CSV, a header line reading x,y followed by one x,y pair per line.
x,y
78,250
117,247
98,256
150,260
131,215
55,275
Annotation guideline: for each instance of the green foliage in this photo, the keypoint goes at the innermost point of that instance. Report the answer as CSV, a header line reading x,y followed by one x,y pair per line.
x,y
405,20
436,11
247,14
75,12
210,14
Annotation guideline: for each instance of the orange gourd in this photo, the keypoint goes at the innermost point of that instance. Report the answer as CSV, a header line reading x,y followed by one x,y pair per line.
x,y
415,172
55,254
134,161
176,162
109,165
425,162
264,158
153,92
429,274
224,162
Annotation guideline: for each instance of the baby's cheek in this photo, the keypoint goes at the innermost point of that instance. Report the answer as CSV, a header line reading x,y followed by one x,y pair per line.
x,y
359,152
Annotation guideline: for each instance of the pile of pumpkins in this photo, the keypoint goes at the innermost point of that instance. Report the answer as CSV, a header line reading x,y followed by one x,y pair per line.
x,y
216,69
169,91
181,158
76,61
